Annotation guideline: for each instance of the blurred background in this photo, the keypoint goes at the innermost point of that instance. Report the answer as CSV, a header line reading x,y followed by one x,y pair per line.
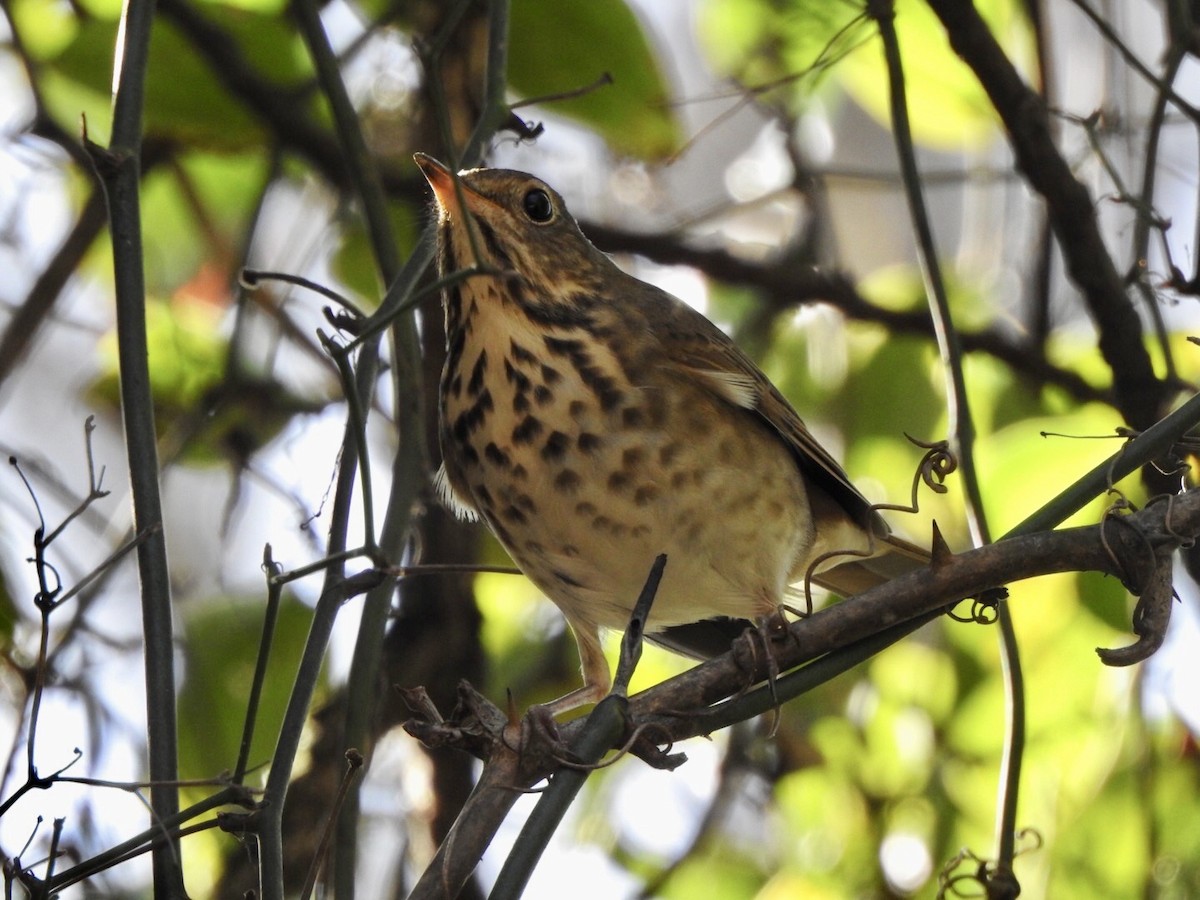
x,y
739,154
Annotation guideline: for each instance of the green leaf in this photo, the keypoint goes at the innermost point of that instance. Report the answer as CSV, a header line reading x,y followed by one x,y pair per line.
x,y
825,818
557,48
877,403
1106,599
915,674
46,29
1038,458
718,874
761,42
1096,861
186,355
195,213
946,105
185,101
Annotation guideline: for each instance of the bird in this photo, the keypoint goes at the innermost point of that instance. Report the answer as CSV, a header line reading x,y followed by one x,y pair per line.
x,y
594,421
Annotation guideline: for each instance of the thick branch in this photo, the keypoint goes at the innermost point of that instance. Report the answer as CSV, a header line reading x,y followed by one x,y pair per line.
x,y
1125,547
119,171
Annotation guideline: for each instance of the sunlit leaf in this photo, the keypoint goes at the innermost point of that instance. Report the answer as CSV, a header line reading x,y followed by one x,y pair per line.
x,y
186,354
258,6
1092,860
911,673
199,208
1034,468
763,44
558,48
1106,599
531,649
46,29
714,875
875,402
825,815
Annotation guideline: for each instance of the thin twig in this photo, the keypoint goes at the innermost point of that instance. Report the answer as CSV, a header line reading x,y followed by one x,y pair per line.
x,y
25,321
270,619
605,725
354,763
368,188
1143,208
1161,85
356,426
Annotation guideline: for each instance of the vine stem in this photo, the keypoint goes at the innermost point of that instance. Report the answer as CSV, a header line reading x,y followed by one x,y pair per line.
x,y
962,434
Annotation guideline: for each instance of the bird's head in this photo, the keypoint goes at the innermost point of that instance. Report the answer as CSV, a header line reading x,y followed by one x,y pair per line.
x,y
515,226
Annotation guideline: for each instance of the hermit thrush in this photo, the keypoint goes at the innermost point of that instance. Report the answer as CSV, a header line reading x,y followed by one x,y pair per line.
x,y
594,421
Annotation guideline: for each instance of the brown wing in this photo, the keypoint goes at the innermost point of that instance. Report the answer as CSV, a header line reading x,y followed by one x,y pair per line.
x,y
713,358
717,362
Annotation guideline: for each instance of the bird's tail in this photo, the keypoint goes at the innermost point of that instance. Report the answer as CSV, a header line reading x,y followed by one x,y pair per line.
x,y
855,574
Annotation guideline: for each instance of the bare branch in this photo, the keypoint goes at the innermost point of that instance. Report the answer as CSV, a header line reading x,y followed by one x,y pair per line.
x,y
1140,394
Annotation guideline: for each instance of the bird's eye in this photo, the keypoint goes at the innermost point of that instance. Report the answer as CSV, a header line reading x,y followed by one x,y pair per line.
x,y
537,206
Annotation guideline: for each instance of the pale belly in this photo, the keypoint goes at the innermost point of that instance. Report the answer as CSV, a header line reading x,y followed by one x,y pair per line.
x,y
585,480
731,533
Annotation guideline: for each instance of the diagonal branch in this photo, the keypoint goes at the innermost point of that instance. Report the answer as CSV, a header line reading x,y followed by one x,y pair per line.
x,y
1140,395
29,316
1137,548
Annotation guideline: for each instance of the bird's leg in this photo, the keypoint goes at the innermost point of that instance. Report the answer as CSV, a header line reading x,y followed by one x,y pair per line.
x,y
773,627
769,628
596,676
596,682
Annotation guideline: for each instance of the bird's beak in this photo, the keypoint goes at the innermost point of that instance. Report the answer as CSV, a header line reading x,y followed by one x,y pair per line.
x,y
440,178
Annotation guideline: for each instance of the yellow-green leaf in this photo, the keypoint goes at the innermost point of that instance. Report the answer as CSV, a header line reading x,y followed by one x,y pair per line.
x,y
558,48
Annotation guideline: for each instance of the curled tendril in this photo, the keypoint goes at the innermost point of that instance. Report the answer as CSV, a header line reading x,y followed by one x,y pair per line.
x,y
983,872
952,885
983,609
936,465
933,469
1034,838
811,573
1120,505
45,598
